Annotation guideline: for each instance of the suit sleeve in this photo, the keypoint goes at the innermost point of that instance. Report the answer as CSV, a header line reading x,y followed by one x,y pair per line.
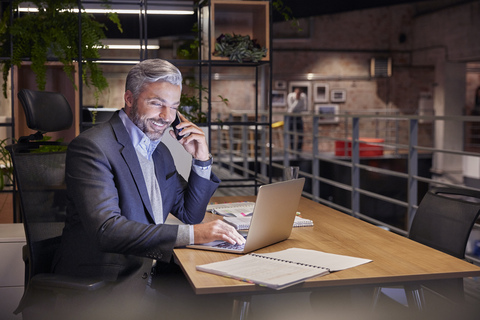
x,y
185,200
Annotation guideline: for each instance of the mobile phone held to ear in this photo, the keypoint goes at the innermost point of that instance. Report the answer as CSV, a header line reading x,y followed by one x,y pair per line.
x,y
174,125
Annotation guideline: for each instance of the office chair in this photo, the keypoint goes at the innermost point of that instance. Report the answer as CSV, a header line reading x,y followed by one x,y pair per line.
x,y
443,221
39,168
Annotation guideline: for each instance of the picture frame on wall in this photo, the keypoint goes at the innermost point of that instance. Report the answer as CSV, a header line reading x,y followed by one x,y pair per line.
x,y
320,92
328,113
338,95
305,87
279,98
280,85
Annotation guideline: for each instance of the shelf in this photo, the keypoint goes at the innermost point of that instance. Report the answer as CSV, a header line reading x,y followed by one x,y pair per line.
x,y
243,18
235,17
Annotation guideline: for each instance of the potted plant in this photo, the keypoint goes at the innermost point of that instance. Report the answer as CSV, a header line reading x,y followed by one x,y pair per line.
x,y
52,33
189,49
239,48
6,168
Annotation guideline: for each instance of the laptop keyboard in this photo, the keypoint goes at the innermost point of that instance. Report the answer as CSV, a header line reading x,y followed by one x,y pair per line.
x,y
227,245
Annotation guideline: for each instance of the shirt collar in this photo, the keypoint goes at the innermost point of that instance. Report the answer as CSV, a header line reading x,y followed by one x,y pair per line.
x,y
140,141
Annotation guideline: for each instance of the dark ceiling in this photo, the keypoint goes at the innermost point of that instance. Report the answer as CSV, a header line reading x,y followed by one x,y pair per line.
x,y
308,8
163,26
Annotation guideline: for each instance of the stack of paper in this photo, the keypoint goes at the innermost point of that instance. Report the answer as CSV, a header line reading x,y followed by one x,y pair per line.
x,y
243,223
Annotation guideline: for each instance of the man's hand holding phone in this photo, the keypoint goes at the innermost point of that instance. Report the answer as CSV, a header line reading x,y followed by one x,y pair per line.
x,y
174,126
190,136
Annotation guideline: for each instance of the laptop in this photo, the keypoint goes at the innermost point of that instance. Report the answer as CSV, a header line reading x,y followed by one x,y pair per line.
x,y
272,218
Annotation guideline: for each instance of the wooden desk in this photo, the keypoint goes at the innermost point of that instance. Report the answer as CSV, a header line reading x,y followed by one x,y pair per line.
x,y
396,259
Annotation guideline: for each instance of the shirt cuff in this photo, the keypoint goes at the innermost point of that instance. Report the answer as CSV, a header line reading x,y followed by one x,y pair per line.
x,y
203,168
192,235
184,235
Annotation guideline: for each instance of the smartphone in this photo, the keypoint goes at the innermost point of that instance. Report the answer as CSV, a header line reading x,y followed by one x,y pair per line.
x,y
174,125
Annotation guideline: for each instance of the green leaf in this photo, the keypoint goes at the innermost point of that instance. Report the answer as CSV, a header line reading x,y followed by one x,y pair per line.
x,y
54,32
238,48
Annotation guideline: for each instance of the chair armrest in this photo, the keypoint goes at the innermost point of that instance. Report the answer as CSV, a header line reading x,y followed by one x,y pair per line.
x,y
26,260
56,281
25,254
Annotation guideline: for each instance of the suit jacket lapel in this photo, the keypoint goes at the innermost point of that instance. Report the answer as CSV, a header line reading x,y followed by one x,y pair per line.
x,y
131,160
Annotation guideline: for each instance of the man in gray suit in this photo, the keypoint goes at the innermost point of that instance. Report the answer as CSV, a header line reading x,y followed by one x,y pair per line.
x,y
122,184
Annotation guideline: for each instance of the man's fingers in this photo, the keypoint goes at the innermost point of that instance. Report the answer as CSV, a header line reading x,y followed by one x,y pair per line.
x,y
217,230
230,234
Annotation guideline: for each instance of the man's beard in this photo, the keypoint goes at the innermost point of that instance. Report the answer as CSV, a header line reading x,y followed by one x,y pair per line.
x,y
142,123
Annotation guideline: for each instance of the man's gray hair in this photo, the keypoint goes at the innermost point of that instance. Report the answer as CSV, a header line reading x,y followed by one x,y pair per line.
x,y
149,71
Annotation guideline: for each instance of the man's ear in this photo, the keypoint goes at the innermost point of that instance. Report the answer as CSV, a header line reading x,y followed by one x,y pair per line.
x,y
128,97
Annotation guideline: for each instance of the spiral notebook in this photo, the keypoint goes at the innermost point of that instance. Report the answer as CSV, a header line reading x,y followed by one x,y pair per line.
x,y
281,269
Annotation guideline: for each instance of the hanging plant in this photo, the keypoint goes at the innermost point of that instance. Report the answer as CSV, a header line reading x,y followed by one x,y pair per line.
x,y
191,105
52,33
239,48
189,49
287,14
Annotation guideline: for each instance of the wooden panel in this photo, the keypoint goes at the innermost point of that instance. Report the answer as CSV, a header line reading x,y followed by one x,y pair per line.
x,y
57,81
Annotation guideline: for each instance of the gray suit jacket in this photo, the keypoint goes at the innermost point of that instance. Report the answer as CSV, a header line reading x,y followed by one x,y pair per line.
x,y
109,228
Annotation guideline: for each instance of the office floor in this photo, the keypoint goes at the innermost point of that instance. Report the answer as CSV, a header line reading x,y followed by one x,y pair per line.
x,y
472,290
346,305
357,304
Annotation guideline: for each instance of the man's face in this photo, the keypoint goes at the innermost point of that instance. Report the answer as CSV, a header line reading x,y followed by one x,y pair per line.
x,y
154,109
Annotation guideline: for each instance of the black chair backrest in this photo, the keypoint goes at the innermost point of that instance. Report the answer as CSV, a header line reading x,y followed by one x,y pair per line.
x,y
45,111
40,180
40,176
445,218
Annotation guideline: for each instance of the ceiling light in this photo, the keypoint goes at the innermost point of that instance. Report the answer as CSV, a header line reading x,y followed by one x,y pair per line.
x,y
130,44
31,8
117,61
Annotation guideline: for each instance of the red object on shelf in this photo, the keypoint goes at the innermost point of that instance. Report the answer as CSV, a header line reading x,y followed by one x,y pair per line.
x,y
366,149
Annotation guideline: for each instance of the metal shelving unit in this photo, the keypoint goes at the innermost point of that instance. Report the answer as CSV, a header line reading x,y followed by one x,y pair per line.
x,y
240,17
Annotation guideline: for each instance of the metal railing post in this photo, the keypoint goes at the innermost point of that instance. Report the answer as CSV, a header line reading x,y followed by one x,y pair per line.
x,y
315,160
286,143
355,167
412,171
232,144
263,165
245,142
